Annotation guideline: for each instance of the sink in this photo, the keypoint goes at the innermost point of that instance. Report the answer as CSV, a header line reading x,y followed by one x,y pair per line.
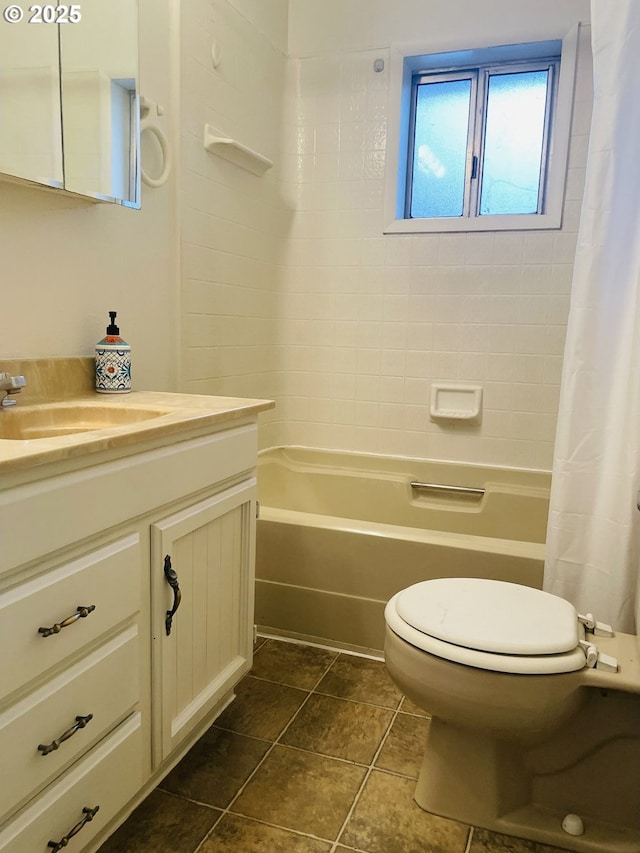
x,y
55,419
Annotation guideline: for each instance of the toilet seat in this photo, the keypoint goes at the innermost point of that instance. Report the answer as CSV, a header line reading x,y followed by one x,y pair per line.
x,y
490,625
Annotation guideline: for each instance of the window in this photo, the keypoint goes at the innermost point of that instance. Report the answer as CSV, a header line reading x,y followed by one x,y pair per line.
x,y
482,138
479,141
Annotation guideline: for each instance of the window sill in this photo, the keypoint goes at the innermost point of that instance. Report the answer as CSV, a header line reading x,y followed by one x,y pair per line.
x,y
535,222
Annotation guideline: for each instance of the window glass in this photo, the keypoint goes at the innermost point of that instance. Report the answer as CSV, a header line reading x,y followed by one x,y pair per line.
x,y
513,142
440,148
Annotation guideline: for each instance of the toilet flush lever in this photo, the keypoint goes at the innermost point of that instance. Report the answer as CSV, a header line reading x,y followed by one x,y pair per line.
x,y
598,629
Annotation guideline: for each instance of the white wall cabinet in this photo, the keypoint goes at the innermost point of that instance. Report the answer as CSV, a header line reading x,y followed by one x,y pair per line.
x,y
98,701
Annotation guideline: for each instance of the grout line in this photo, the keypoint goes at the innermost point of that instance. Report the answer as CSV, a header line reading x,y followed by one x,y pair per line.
x,y
333,695
266,755
296,642
267,823
360,790
368,768
467,849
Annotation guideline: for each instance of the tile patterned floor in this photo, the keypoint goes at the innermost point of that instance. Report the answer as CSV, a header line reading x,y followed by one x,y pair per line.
x,y
318,754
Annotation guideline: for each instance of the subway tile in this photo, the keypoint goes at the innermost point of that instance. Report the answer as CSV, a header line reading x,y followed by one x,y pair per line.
x,y
451,249
479,249
508,247
424,250
394,340
564,248
533,309
557,310
391,416
392,362
367,388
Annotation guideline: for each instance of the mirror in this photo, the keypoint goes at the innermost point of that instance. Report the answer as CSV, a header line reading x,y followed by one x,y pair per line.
x,y
30,129
73,123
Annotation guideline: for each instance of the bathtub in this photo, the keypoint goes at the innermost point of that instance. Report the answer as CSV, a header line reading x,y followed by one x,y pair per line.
x,y
339,533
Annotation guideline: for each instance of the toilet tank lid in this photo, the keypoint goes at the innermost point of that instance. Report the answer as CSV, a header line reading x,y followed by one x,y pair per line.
x,y
490,616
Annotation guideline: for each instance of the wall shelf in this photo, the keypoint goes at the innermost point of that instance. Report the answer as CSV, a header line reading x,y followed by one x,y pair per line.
x,y
233,151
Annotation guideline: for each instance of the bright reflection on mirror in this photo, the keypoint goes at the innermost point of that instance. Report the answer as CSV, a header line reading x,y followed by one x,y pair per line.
x,y
100,113
30,131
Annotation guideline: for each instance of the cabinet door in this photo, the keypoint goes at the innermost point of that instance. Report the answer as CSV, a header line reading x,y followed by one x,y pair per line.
x,y
211,548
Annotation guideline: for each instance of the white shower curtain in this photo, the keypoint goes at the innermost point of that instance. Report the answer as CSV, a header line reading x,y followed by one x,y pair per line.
x,y
593,537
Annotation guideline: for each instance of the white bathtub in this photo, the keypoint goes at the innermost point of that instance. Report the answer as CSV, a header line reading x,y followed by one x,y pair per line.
x,y
340,533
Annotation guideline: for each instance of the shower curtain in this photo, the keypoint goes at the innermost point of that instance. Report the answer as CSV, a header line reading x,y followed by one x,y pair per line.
x,y
593,537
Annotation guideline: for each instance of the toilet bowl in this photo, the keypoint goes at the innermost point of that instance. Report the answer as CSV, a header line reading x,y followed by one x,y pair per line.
x,y
535,712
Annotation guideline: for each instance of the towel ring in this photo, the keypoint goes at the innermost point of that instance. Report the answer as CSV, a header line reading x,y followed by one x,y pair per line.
x,y
166,157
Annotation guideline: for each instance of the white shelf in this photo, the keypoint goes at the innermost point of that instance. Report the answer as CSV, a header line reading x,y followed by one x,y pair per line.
x,y
233,151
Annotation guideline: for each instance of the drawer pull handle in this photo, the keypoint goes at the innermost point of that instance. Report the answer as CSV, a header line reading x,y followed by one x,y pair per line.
x,y
80,723
172,580
89,815
81,613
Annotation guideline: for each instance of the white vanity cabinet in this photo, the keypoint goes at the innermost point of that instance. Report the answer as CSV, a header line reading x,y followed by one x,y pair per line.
x,y
99,701
204,650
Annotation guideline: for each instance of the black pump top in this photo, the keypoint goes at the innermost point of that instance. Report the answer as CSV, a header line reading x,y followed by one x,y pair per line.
x,y
112,329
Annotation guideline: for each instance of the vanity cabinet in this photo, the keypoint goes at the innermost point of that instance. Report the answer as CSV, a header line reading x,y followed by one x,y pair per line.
x,y
99,700
204,649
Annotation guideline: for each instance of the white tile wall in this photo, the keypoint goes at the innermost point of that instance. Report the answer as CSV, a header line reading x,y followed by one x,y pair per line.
x,y
291,291
232,221
370,321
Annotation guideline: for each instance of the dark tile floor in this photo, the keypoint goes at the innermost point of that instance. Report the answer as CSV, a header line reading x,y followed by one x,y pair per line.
x,y
318,754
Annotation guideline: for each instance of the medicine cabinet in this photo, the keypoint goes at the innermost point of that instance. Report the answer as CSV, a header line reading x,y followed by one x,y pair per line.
x,y
69,100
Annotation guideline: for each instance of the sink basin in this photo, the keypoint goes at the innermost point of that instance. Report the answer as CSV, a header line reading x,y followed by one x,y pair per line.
x,y
56,419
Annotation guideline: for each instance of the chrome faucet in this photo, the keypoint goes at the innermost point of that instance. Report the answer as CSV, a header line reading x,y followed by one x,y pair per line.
x,y
10,385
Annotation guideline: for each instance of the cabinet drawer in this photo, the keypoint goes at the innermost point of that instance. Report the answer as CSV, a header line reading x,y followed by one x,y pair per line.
x,y
108,777
109,494
108,578
105,684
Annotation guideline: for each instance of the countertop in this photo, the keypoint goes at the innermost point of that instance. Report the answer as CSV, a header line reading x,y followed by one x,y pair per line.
x,y
181,413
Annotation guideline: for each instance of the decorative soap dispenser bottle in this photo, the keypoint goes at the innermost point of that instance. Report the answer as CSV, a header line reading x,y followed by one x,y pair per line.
x,y
113,361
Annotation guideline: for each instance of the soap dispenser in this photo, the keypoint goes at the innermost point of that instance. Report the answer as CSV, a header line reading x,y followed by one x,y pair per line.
x,y
113,361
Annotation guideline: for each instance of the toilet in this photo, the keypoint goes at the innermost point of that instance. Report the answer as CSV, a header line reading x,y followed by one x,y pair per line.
x,y
535,712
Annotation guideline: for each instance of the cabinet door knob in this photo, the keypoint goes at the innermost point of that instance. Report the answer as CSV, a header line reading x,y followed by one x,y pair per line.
x,y
80,723
81,613
172,580
89,815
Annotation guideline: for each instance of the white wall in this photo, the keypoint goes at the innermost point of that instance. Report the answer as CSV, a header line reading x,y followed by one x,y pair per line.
x,y
64,263
334,26
368,322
